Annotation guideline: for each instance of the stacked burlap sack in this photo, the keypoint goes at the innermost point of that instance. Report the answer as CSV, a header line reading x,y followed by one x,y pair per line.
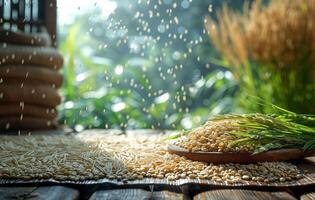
x,y
29,81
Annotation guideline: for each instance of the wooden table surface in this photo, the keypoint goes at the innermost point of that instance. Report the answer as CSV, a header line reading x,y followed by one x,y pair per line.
x,y
94,192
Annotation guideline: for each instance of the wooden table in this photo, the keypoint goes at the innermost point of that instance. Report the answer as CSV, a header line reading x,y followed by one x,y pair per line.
x,y
151,191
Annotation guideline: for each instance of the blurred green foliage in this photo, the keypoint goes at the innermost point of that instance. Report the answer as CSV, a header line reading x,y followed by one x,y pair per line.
x,y
146,66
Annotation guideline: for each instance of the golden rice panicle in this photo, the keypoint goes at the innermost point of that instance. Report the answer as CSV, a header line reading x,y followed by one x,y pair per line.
x,y
283,32
227,37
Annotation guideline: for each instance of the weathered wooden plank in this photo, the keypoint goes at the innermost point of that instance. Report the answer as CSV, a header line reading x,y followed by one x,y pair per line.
x,y
121,194
38,193
167,195
308,196
243,194
15,192
135,194
55,193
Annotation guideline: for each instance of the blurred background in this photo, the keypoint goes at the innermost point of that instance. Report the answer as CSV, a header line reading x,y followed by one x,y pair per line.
x,y
146,64
140,64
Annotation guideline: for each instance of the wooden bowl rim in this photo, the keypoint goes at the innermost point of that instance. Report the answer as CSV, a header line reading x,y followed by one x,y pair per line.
x,y
173,147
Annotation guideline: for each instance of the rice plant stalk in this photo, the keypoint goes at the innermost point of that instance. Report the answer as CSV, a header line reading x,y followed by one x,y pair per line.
x,y
284,129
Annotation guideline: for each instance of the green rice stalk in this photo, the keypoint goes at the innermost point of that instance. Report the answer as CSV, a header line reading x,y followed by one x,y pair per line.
x,y
269,131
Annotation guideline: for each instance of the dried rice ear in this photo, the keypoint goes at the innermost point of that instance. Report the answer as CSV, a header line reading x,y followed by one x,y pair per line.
x,y
31,74
30,94
26,123
26,55
18,37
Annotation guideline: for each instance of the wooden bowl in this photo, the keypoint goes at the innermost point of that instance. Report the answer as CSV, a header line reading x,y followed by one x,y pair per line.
x,y
240,157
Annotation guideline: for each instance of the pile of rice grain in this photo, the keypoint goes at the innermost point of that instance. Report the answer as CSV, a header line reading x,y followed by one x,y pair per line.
x,y
120,157
213,137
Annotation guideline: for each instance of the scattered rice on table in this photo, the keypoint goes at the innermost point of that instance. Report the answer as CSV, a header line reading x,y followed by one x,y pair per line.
x,y
119,157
